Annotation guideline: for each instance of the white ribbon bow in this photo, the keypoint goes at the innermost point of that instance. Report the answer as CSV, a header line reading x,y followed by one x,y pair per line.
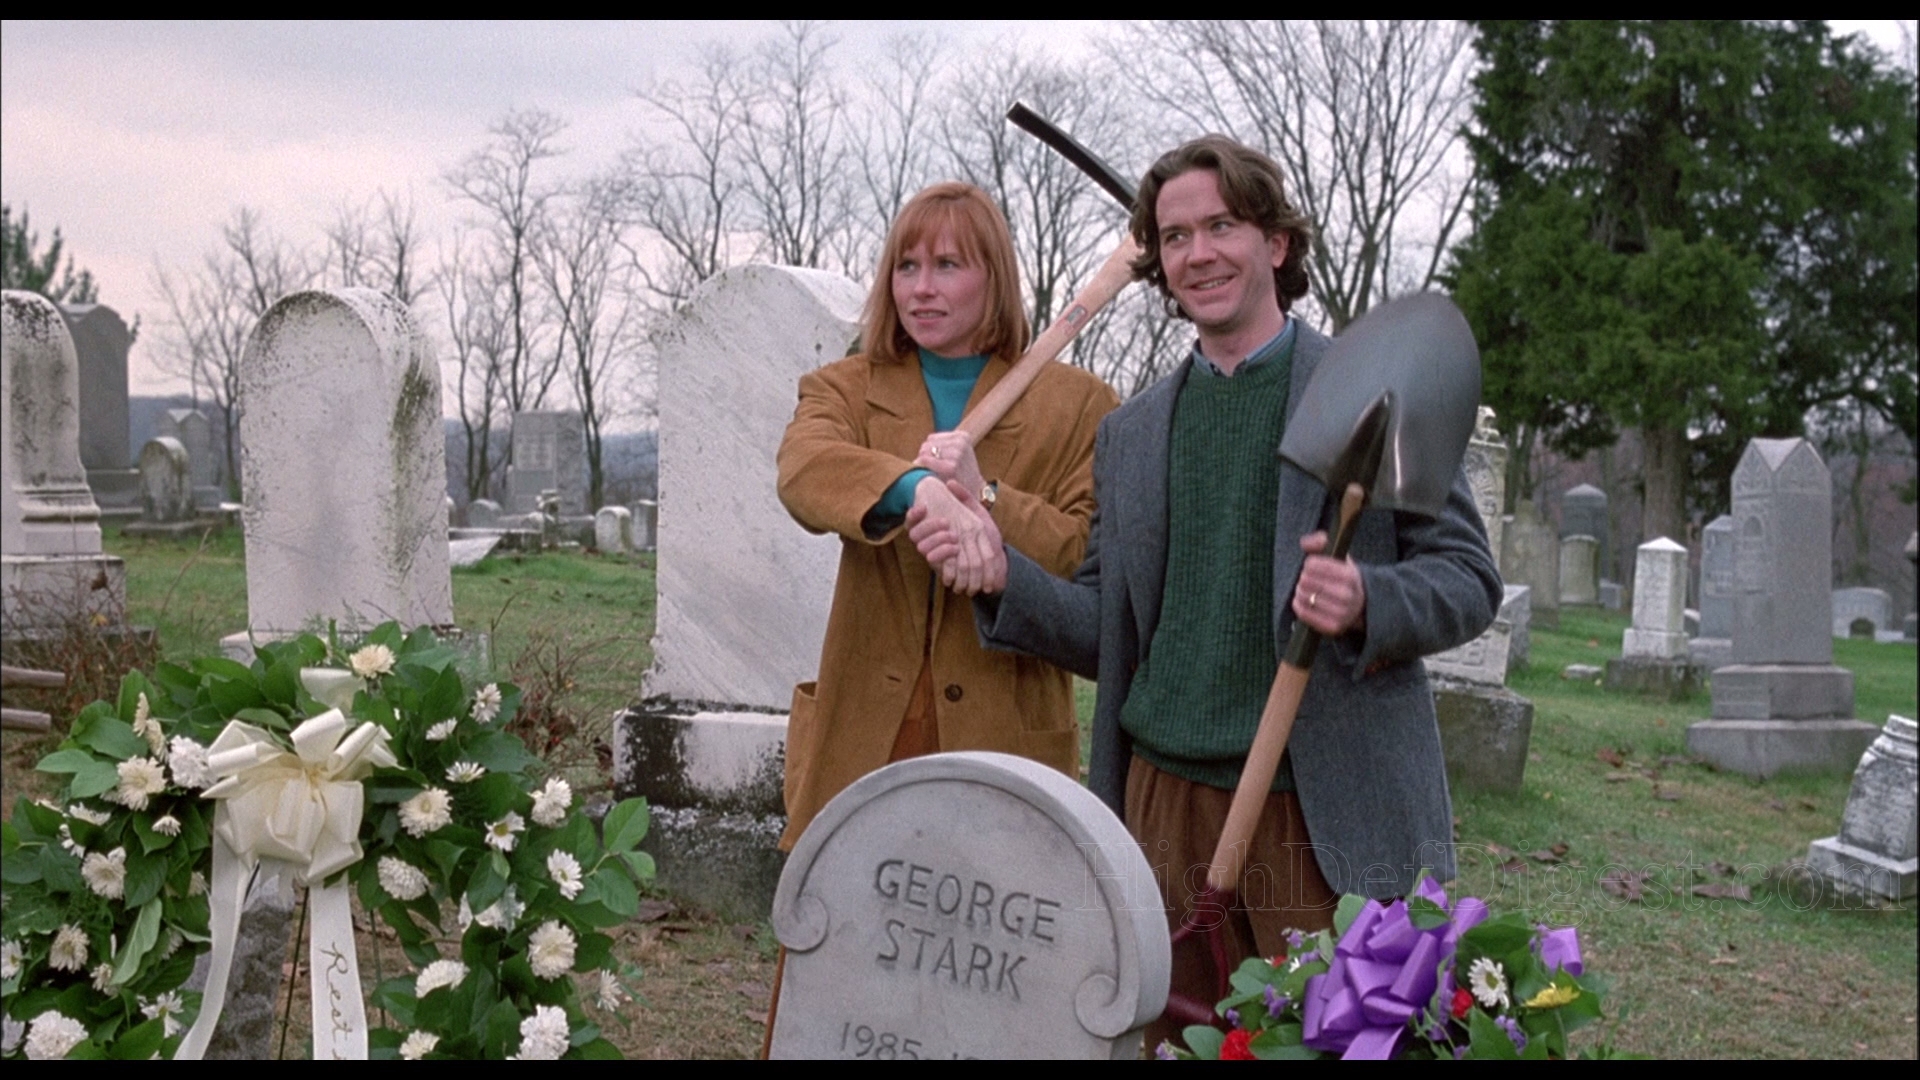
x,y
298,812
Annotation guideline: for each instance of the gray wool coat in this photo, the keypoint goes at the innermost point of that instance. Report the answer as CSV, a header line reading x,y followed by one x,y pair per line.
x,y
1365,749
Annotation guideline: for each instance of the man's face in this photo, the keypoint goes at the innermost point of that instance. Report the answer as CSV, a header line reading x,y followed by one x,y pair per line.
x,y
1218,267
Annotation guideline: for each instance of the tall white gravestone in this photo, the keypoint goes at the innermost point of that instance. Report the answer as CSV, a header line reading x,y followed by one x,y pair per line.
x,y
1579,570
51,566
743,591
968,906
1654,656
1583,512
344,468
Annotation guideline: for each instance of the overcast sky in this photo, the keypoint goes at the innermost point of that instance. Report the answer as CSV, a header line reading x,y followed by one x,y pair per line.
x,y
139,139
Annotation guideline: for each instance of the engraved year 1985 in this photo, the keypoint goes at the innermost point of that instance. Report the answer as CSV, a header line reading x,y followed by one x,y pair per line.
x,y
863,1041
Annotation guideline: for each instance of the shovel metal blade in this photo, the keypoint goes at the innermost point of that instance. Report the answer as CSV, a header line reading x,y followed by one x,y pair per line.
x,y
1420,350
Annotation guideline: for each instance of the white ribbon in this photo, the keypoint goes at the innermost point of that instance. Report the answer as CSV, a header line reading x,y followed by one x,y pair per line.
x,y
299,812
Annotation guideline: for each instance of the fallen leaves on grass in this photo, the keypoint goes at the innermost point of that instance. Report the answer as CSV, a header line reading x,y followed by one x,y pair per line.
x,y
1626,884
1720,869
1666,794
1723,890
653,910
1776,804
1619,776
1612,757
1555,854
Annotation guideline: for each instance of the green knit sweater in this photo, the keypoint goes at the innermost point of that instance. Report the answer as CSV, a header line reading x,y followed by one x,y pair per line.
x,y
1195,702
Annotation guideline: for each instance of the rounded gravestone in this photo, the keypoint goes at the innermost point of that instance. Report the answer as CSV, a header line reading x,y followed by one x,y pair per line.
x,y
968,905
166,481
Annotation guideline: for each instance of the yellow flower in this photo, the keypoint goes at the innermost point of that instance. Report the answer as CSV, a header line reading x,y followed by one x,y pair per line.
x,y
1552,997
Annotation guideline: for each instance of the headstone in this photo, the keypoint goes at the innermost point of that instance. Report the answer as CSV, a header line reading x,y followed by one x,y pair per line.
x,y
195,432
344,467
1713,647
483,514
1857,606
100,343
646,524
1653,651
1782,704
1484,735
1610,596
613,530
1580,672
468,551
549,454
1530,556
1516,606
1486,469
1579,570
743,592
1874,853
1583,512
968,906
52,571
452,512
166,490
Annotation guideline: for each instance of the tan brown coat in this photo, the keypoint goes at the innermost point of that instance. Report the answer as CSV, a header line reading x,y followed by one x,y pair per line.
x,y
856,429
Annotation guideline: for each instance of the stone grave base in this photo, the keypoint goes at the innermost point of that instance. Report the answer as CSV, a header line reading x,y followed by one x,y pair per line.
x,y
1762,748
1782,692
714,780
1711,653
1668,680
1484,732
168,528
1653,644
1862,872
53,590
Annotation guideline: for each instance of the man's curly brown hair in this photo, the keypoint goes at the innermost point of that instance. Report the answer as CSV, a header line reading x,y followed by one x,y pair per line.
x,y
1251,186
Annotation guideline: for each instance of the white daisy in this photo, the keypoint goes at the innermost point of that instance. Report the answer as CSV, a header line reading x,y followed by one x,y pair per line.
x,y
447,973
12,1032
145,726
196,884
543,1036
486,703
564,869
431,809
502,834
188,760
465,772
502,913
167,825
167,1008
371,661
67,841
442,730
91,817
611,994
69,949
12,959
52,1035
402,880
140,779
550,950
550,803
1488,981
418,1044
102,978
106,874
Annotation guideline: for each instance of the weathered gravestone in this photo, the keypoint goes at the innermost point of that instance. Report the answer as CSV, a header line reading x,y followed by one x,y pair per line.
x,y
968,905
166,490
1583,512
52,572
613,530
1486,469
1714,646
344,469
743,591
1861,612
100,343
1654,655
1516,606
1782,704
1530,556
549,454
646,524
483,514
195,432
1874,853
1579,570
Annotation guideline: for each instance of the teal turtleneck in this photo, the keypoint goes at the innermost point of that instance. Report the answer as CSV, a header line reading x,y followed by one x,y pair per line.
x,y
949,384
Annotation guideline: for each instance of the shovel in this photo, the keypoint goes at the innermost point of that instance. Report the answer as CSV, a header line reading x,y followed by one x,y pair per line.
x,y
1383,422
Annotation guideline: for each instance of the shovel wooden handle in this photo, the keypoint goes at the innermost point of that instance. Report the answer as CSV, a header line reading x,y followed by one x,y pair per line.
x,y
1276,725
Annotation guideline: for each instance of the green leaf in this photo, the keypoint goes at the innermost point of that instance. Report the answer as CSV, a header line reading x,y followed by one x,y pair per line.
x,y
145,875
1500,935
626,825
600,1050
1488,1039
617,893
146,931
1424,914
500,752
487,885
111,736
1204,1041
93,779
1349,910
281,684
639,864
70,760
260,716
222,668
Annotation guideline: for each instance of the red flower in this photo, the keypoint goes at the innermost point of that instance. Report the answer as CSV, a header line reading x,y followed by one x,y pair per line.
x,y
1462,1001
1236,1047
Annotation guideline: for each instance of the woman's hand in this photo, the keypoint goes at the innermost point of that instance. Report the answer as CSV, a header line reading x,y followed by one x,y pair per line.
x,y
958,537
949,456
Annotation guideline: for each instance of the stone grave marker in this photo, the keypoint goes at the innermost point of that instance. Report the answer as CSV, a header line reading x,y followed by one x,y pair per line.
x,y
1782,703
483,514
344,467
100,343
1875,851
1714,645
1486,469
1583,512
613,530
52,570
743,591
1861,612
469,550
646,522
968,905
1579,570
549,454
1516,606
1530,556
166,490
1654,653
195,432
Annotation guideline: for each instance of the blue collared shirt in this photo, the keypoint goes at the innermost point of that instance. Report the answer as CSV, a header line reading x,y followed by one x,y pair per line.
x,y
1277,347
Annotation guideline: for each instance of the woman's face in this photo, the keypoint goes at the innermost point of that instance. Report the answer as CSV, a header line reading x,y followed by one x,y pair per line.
x,y
942,299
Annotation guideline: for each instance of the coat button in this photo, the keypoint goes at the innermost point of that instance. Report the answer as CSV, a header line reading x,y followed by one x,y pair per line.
x,y
954,693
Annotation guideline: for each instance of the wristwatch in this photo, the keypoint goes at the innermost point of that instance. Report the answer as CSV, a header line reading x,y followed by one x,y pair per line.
x,y
989,494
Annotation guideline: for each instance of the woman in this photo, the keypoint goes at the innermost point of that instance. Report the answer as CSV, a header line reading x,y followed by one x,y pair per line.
x,y
901,671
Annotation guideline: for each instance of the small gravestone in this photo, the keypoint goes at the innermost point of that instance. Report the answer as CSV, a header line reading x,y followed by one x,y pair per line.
x,y
195,432
613,530
1484,735
967,905
549,454
100,343
1530,556
483,514
1713,647
166,490
1861,612
1486,469
52,571
1610,595
1653,651
646,524
1516,606
1579,570
743,591
1874,853
1583,512
344,467
1782,704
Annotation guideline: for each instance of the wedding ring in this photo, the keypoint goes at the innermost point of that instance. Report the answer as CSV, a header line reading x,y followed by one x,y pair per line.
x,y
934,452
1313,598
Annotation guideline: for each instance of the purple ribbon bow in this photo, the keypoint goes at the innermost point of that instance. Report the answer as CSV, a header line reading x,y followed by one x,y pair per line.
x,y
1384,972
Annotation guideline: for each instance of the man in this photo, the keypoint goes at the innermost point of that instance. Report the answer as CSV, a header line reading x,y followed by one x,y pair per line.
x,y
1184,603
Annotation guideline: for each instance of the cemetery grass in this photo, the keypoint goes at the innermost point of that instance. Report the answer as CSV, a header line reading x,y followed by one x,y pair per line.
x,y
1722,954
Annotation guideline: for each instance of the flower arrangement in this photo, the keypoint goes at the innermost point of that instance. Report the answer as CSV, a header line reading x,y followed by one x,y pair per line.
x,y
1416,978
497,888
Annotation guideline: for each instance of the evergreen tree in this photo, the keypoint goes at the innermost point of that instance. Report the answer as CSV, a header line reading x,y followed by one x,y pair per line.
x,y
24,266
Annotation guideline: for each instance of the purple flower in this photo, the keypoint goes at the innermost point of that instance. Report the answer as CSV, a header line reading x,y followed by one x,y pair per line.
x,y
1233,1016
1164,1052
1276,1002
1459,1052
1559,949
1295,939
1512,1028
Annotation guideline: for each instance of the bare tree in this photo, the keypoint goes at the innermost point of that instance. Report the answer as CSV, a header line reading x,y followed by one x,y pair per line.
x,y
893,142
792,151
473,297
376,244
1362,115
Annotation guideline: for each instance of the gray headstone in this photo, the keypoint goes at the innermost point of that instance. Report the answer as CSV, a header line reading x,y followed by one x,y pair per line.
x,y
646,524
1610,596
166,482
1516,606
1783,555
1659,595
613,530
1875,850
1482,661
1530,556
207,459
1484,735
1579,570
1486,469
1852,607
1583,512
549,454
50,556
246,1027
100,342
1716,578
344,466
483,514
968,906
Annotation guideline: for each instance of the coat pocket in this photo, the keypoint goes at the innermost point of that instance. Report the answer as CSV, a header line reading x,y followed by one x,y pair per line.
x,y
802,731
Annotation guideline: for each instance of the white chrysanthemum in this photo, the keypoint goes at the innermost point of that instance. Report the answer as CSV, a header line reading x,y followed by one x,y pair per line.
x,y
543,1036
551,802
447,973
441,731
196,884
188,760
486,703
500,915
402,880
141,778
12,959
167,1009
69,949
102,978
550,950
1488,981
611,994
106,874
90,816
418,1044
465,772
67,841
425,812
12,1033
502,834
52,1035
145,726
564,869
167,825
371,661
